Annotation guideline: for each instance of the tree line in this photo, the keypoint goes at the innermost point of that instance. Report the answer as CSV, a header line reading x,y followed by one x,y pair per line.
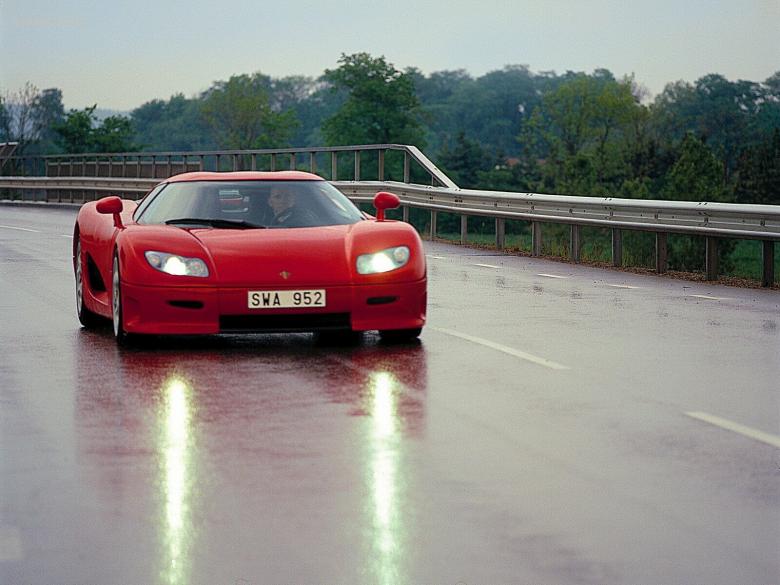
x,y
511,129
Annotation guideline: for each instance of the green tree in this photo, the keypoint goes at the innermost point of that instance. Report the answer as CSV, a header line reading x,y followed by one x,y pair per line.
x,y
463,161
24,115
80,132
697,176
582,129
381,106
728,116
176,124
758,173
49,112
114,134
5,121
75,132
240,114
311,100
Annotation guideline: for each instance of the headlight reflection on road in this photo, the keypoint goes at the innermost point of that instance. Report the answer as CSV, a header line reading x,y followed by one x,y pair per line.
x,y
176,466
384,480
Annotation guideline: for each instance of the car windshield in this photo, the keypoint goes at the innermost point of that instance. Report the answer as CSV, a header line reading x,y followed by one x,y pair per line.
x,y
248,205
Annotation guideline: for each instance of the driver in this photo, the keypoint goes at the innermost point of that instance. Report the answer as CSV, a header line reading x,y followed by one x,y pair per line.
x,y
283,202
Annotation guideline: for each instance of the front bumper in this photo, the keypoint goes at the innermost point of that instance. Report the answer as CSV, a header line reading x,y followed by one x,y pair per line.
x,y
210,310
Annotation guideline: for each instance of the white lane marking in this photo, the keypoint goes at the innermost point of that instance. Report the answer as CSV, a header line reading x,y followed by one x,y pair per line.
x,y
754,434
10,544
486,265
551,275
622,286
435,257
711,298
10,227
66,236
503,348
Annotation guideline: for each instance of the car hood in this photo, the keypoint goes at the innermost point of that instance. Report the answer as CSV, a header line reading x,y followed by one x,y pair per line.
x,y
280,257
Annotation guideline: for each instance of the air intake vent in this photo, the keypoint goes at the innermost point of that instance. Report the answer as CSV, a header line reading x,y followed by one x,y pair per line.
x,y
186,304
284,323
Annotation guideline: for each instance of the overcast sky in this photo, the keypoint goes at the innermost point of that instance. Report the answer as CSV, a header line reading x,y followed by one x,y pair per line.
x,y
120,54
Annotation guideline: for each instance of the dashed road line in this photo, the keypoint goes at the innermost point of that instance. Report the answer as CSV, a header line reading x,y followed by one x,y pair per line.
x,y
628,286
723,423
503,348
435,257
711,298
551,275
21,229
10,544
66,236
486,265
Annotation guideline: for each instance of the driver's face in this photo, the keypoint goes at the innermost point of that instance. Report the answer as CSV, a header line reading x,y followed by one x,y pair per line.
x,y
280,200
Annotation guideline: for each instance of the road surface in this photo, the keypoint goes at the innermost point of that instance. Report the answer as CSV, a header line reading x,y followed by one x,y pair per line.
x,y
555,424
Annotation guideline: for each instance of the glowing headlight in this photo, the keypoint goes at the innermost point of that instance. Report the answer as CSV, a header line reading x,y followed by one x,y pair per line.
x,y
176,265
383,261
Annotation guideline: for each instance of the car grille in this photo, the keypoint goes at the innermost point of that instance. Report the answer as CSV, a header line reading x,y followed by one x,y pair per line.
x,y
284,323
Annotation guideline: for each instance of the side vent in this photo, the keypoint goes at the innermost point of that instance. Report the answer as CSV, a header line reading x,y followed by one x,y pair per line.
x,y
93,274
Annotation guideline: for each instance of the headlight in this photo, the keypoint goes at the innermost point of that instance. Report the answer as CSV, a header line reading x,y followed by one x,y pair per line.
x,y
383,261
176,265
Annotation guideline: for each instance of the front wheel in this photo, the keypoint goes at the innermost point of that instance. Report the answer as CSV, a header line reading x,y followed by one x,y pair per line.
x,y
400,335
120,334
87,318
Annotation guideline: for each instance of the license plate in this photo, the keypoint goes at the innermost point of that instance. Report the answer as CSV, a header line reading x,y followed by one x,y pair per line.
x,y
285,299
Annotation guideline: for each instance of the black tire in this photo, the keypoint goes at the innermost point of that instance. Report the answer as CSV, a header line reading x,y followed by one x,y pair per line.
x,y
121,336
400,335
87,318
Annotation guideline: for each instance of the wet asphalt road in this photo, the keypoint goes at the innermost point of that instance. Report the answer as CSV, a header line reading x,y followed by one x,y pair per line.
x,y
552,426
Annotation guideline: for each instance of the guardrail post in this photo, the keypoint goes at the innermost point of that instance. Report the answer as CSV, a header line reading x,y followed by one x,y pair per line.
x,y
500,232
617,247
711,258
405,213
464,228
575,242
357,165
293,160
313,162
768,254
334,166
433,225
381,165
407,169
273,162
536,238
661,253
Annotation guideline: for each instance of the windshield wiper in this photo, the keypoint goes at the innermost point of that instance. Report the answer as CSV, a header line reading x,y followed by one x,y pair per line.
x,y
238,224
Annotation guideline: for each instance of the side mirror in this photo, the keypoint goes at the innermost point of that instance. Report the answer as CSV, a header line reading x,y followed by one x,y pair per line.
x,y
111,206
384,200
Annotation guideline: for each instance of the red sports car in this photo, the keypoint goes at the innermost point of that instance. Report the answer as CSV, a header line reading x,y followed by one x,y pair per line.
x,y
248,252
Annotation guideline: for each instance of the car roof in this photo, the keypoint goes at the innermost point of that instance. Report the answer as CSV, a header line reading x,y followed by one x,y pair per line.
x,y
245,176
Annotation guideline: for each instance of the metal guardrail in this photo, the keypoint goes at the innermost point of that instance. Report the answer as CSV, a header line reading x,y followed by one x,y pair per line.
x,y
711,220
160,165
7,150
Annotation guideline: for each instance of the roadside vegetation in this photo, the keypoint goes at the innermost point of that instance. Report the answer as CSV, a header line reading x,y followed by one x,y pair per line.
x,y
512,129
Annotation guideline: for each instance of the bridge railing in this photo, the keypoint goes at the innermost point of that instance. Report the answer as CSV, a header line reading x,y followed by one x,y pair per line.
x,y
329,161
711,220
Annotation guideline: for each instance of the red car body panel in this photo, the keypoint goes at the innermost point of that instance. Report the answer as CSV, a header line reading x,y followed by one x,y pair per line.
x,y
240,261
